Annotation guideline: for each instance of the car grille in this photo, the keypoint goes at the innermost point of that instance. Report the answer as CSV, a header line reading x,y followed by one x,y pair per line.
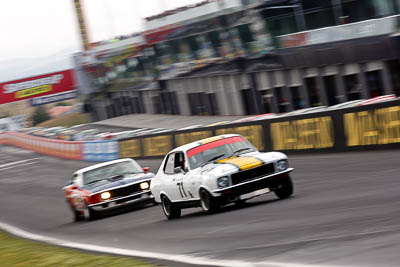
x,y
126,191
251,174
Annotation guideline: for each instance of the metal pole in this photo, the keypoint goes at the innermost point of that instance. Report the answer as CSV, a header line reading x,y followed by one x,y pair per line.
x,y
337,11
299,13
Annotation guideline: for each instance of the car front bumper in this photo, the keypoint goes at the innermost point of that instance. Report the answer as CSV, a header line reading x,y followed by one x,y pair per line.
x,y
123,202
271,181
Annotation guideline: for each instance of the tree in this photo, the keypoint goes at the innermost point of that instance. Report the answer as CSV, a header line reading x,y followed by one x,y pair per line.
x,y
40,115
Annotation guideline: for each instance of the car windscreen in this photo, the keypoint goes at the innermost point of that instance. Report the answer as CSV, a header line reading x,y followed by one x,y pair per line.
x,y
224,148
110,171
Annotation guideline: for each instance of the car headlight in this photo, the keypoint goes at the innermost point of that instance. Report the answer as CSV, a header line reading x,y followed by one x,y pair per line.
x,y
282,165
223,182
105,195
144,185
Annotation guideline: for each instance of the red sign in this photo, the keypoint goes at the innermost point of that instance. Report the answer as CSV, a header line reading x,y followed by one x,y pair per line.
x,y
292,40
42,85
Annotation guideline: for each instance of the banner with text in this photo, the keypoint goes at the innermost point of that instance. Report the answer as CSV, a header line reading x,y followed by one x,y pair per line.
x,y
37,86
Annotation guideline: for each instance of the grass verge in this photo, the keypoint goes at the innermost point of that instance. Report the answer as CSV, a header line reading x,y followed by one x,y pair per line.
x,y
24,253
66,120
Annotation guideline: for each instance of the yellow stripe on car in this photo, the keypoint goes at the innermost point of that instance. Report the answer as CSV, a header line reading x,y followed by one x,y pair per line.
x,y
243,163
211,139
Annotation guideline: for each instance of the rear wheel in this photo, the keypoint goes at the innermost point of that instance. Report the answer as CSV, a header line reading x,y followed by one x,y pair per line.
x,y
285,189
170,210
209,204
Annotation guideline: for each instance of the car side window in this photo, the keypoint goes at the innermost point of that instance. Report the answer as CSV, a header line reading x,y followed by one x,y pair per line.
x,y
169,164
179,160
74,178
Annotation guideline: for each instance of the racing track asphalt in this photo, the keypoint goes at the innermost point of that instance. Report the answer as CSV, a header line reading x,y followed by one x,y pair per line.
x,y
345,213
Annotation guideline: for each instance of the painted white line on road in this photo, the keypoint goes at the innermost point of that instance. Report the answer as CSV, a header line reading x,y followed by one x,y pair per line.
x,y
19,165
143,254
18,162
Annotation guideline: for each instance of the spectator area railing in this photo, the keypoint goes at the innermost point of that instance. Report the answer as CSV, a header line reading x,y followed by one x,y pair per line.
x,y
367,28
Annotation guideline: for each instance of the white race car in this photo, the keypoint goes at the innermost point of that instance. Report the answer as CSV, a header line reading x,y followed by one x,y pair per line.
x,y
217,171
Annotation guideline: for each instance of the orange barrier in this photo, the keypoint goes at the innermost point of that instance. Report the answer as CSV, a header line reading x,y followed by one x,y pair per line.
x,y
56,148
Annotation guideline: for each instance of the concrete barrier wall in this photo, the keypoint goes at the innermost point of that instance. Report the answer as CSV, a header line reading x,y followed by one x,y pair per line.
x,y
56,148
359,128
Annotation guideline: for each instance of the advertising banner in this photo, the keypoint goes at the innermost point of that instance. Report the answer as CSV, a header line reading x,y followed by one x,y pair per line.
x,y
100,151
55,148
53,98
37,86
373,127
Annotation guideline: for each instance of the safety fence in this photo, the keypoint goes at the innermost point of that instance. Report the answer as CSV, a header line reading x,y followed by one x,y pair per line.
x,y
358,128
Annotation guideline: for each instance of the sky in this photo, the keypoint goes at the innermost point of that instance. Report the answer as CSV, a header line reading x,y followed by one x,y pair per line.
x,y
38,36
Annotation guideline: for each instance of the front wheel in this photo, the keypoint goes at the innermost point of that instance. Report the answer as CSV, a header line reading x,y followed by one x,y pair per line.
x,y
170,210
209,204
90,214
285,189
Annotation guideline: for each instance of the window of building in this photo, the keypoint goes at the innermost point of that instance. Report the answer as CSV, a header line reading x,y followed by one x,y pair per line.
x,y
330,87
394,67
298,102
283,102
313,91
267,98
374,83
352,86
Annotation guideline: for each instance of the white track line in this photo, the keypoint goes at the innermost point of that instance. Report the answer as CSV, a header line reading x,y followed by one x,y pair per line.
x,y
17,162
143,254
19,165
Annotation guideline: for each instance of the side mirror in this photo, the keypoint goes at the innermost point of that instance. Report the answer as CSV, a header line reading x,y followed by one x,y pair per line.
x,y
178,170
146,169
73,187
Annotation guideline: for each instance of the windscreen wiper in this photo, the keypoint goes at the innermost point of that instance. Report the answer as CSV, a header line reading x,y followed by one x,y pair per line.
x,y
213,159
95,181
239,150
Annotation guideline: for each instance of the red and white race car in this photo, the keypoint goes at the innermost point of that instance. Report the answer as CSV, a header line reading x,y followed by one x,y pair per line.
x,y
108,186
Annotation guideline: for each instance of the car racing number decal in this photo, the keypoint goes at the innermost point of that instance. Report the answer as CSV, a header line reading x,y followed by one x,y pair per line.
x,y
181,189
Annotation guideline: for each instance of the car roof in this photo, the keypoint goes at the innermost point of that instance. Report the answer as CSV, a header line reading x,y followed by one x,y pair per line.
x,y
189,146
99,165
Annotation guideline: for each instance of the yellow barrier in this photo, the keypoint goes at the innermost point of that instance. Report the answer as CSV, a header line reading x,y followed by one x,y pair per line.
x,y
373,127
130,149
253,133
157,146
314,133
186,138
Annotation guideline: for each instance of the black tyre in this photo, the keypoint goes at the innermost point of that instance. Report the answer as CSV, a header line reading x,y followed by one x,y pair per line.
x,y
209,204
285,189
170,210
90,214
240,203
78,216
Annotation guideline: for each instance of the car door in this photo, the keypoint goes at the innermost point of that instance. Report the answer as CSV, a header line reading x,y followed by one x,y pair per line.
x,y
190,181
172,180
180,176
